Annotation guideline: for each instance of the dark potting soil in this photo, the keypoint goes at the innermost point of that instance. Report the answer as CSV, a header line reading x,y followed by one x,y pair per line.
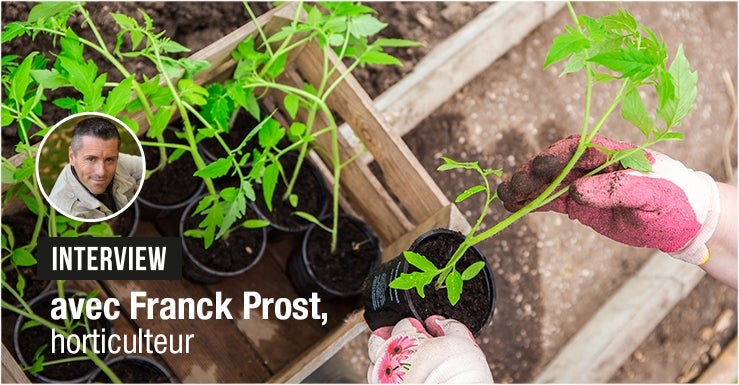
x,y
345,269
473,307
234,253
31,339
133,371
312,197
242,126
172,184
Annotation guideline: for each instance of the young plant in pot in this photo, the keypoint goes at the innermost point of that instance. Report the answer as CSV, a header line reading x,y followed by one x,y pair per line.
x,y
68,357
342,32
609,49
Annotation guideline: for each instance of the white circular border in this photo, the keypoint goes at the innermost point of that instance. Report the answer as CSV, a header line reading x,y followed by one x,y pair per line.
x,y
117,122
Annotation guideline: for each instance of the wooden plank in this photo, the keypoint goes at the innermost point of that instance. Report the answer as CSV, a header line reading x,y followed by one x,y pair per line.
x,y
322,351
596,352
368,196
277,341
11,372
724,370
402,171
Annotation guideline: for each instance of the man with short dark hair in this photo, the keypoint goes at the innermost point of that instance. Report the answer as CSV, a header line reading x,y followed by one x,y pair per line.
x,y
98,181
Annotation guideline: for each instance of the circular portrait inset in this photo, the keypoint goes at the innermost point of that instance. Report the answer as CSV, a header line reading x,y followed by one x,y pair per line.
x,y
90,167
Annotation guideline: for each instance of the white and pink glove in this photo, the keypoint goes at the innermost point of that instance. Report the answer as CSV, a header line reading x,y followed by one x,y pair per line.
x,y
672,208
442,352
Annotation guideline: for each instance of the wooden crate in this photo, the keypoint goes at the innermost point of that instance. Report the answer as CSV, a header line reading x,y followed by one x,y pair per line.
x,y
403,205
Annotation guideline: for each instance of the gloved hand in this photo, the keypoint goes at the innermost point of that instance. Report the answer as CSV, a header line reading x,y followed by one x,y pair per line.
x,y
672,208
443,352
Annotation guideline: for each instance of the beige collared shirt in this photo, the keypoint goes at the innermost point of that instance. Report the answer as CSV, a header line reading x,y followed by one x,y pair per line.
x,y
72,198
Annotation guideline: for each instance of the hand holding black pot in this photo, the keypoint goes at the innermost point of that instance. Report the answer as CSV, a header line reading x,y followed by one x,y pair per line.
x,y
444,351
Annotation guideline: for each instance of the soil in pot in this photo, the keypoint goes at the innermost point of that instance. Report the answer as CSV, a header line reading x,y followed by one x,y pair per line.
x,y
226,257
28,341
385,306
312,193
474,308
242,126
171,187
314,268
135,370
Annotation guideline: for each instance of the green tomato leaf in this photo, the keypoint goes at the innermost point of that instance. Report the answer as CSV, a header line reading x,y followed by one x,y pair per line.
x,y
635,112
192,92
453,285
171,46
21,257
685,82
118,97
22,78
397,43
379,58
450,164
420,261
472,270
636,160
629,62
365,26
270,133
255,223
160,121
292,102
50,79
216,169
566,44
49,9
269,182
469,192
416,279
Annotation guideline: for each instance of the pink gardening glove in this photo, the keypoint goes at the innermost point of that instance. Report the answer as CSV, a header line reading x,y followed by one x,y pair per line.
x,y
443,352
672,208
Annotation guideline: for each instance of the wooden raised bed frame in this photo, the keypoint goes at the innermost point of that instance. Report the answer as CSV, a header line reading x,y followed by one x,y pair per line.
x,y
258,350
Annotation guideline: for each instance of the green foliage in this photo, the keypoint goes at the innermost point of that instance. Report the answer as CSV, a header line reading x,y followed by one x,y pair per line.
x,y
448,276
343,29
610,49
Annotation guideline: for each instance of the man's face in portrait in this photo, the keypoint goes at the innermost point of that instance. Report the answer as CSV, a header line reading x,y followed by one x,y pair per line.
x,y
95,162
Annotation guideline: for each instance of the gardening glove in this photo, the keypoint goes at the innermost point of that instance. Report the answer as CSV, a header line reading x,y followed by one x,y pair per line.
x,y
443,352
672,208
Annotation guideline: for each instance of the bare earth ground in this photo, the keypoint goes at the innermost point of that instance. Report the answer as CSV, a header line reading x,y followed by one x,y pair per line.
x,y
552,274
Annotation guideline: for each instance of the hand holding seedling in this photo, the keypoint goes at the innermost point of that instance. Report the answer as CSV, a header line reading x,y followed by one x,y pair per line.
x,y
671,208
610,49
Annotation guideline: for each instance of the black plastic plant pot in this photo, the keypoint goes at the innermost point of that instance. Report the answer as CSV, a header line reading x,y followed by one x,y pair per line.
x,y
133,369
313,198
226,257
27,342
384,306
170,188
313,268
